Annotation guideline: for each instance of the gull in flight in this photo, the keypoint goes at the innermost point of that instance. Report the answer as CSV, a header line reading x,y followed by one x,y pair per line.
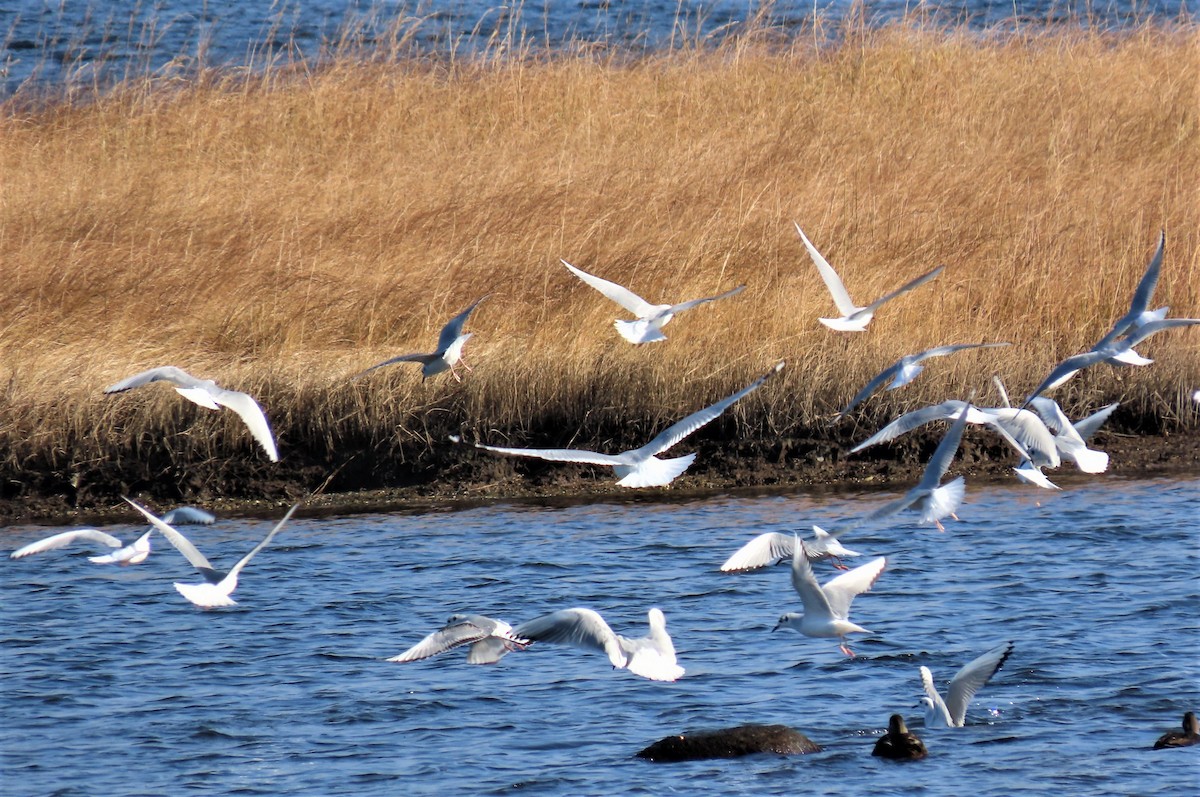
x,y
854,318
217,586
934,500
445,357
489,640
827,608
908,367
1139,313
133,554
641,467
651,656
952,712
651,318
1021,429
773,547
206,393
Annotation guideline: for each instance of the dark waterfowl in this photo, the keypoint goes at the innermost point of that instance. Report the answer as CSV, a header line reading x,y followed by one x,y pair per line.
x,y
1189,736
898,743
730,743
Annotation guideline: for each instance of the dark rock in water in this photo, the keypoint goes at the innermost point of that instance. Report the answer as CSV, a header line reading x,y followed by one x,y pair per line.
x,y
898,744
730,743
1189,736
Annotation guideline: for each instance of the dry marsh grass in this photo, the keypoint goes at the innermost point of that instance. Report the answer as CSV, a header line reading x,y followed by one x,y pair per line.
x,y
281,232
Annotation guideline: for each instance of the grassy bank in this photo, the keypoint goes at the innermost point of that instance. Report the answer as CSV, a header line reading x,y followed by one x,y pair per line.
x,y
280,233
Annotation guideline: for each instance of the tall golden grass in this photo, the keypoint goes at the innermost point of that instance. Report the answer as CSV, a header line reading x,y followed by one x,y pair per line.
x,y
281,231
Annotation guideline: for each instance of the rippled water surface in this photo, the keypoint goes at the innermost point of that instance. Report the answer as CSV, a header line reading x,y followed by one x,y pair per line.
x,y
113,684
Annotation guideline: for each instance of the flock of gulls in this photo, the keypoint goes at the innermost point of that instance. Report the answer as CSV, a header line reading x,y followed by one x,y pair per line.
x,y
1039,433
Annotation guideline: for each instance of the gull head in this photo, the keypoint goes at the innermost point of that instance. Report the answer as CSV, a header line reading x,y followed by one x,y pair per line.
x,y
790,620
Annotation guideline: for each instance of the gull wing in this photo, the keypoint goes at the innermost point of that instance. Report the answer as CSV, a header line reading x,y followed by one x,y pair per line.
x,y
688,305
840,591
166,373
814,599
765,549
912,420
1026,432
942,351
939,463
873,385
971,678
181,543
1154,327
621,295
423,359
454,326
1141,295
560,455
582,628
1065,370
1051,414
1086,427
939,705
189,514
681,429
460,630
237,568
64,539
919,281
252,415
833,282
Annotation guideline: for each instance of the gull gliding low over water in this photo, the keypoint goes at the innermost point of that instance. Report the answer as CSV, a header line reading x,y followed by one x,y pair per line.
x,y
854,318
827,608
132,554
445,356
774,547
489,639
208,394
973,676
907,368
641,467
651,656
217,586
651,318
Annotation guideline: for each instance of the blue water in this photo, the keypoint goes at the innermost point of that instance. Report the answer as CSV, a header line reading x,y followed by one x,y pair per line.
x,y
79,43
114,685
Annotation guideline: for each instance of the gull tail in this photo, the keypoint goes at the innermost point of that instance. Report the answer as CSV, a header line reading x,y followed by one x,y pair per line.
x,y
206,596
1089,460
944,501
655,472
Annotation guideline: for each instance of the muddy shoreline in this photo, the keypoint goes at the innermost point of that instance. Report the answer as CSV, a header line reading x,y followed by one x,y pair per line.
x,y
457,478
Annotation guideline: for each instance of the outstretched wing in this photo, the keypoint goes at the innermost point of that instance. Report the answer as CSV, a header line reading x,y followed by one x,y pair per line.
x,y
461,630
237,568
840,591
1065,370
166,373
582,628
872,386
815,600
559,455
1141,296
765,549
1086,427
252,415
833,282
912,420
688,305
939,705
919,281
621,295
181,543
971,678
939,463
64,539
189,514
942,351
681,429
454,327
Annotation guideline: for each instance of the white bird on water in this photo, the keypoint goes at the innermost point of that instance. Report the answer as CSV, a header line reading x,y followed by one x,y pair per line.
x,y
774,547
651,656
445,356
952,712
907,368
208,394
854,318
133,554
827,607
217,586
489,639
641,467
934,500
651,318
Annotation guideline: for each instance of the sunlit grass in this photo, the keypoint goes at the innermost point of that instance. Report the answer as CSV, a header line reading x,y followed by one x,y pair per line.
x,y
281,231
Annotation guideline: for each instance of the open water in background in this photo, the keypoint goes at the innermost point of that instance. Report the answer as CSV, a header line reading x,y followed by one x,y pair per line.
x,y
114,685
52,43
